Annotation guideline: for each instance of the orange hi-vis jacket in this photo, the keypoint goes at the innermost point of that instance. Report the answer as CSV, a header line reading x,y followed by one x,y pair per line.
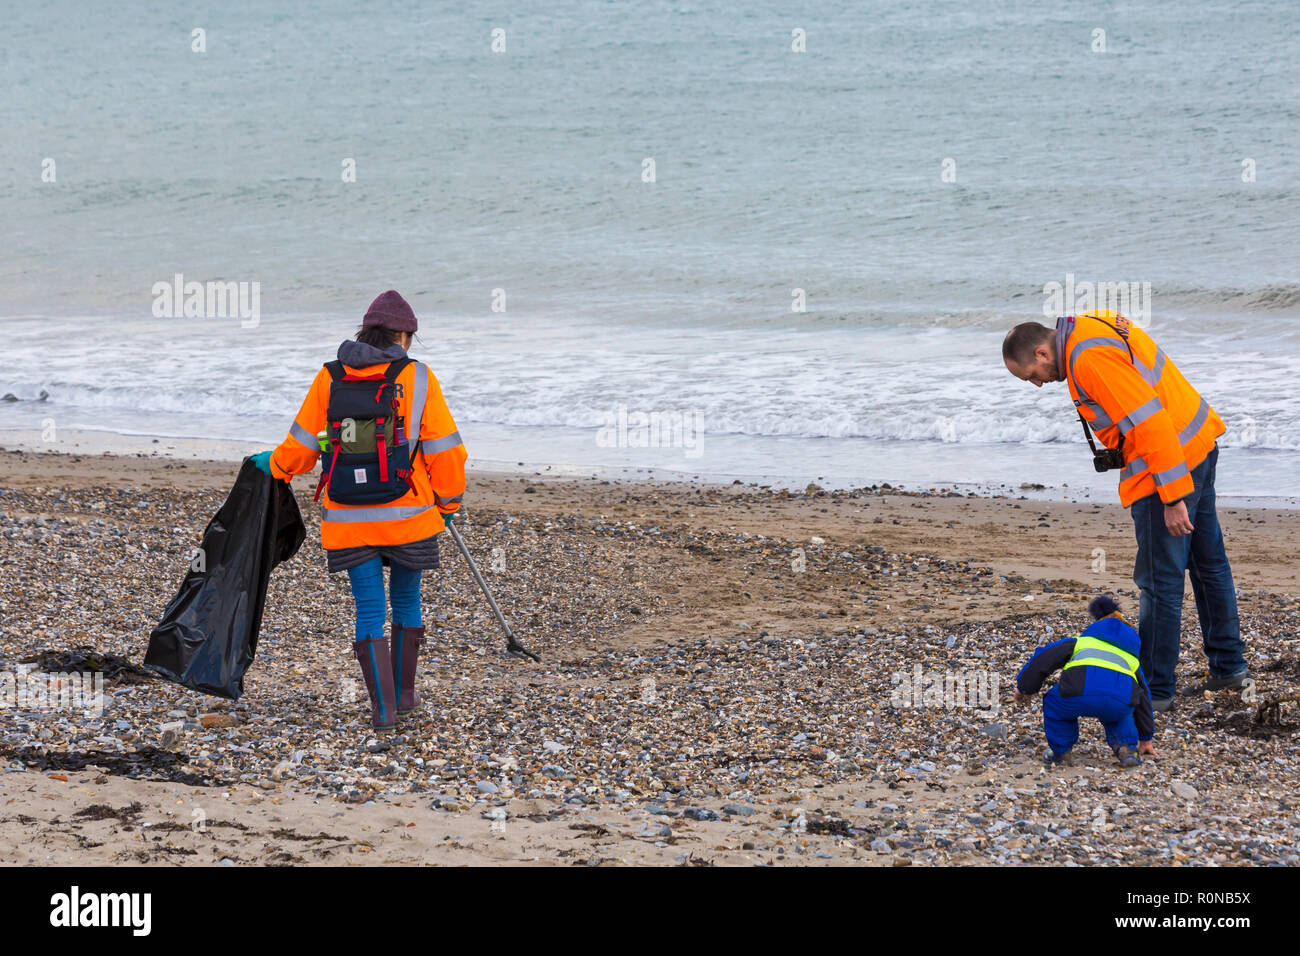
x,y
1166,426
436,487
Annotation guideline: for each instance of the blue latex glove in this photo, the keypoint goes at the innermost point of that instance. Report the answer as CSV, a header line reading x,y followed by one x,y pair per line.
x,y
447,516
263,461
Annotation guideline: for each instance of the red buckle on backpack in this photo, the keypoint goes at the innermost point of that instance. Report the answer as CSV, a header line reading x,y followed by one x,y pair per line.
x,y
379,447
325,475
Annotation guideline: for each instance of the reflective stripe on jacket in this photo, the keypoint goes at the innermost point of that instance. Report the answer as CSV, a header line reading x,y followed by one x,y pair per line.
x,y
1089,650
1167,427
437,465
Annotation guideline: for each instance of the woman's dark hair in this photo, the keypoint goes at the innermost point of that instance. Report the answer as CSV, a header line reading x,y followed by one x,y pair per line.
x,y
376,335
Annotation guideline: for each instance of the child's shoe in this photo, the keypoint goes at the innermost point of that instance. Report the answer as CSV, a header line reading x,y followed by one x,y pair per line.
x,y
1127,758
1053,759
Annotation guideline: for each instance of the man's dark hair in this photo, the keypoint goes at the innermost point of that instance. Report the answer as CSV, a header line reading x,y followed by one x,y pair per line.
x,y
1021,341
376,335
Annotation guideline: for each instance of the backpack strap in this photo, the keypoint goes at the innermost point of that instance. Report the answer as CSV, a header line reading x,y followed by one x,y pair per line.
x,y
395,368
335,369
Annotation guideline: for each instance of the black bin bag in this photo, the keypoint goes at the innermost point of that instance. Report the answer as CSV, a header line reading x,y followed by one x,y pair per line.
x,y
208,634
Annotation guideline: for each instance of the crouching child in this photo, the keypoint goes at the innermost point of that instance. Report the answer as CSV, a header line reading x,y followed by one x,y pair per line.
x,y
1100,677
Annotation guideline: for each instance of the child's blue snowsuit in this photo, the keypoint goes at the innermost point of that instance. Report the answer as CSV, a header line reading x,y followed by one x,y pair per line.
x,y
1122,702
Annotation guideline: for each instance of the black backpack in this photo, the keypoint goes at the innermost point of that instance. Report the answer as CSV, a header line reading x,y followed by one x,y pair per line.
x,y
370,460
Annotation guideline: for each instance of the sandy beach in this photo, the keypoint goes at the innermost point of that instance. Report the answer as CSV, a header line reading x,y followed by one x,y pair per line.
x,y
719,685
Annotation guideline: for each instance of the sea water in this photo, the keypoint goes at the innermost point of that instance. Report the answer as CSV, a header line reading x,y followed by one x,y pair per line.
x,y
801,232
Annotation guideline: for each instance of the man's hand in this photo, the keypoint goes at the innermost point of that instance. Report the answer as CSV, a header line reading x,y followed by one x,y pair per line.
x,y
1147,748
1176,519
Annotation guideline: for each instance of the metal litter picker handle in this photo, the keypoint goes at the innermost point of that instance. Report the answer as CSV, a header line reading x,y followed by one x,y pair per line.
x,y
512,645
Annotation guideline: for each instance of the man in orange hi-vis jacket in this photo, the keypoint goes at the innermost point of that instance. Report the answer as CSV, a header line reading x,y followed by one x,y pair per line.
x,y
1160,434
393,479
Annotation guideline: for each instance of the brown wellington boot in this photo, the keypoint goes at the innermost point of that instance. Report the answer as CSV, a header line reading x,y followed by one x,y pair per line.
x,y
377,669
405,646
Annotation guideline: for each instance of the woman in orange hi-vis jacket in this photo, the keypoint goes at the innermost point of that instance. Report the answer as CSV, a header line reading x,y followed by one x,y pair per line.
x,y
1133,396
401,533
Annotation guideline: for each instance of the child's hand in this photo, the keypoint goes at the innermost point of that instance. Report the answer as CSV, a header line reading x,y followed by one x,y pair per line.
x,y
1147,748
1021,699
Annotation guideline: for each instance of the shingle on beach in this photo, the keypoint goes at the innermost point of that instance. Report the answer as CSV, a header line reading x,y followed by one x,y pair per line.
x,y
719,680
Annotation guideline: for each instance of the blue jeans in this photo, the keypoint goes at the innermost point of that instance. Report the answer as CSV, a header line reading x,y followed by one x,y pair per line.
x,y
1061,719
1162,562
368,592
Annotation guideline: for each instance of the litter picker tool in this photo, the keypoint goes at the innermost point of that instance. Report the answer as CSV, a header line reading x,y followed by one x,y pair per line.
x,y
512,645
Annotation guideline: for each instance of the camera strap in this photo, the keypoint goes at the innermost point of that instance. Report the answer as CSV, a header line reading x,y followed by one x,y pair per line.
x,y
1087,432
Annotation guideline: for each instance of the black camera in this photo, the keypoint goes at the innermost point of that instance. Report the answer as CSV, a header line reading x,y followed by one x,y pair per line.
x,y
1107,459
1103,459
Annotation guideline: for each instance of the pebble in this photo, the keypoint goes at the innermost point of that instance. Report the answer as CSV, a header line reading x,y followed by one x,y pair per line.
x,y
700,813
1183,790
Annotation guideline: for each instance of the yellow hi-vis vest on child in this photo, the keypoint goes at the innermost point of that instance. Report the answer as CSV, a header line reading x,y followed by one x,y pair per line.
x,y
1089,650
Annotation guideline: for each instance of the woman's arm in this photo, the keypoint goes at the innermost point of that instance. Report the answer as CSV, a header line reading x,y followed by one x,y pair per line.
x,y
300,449
444,452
